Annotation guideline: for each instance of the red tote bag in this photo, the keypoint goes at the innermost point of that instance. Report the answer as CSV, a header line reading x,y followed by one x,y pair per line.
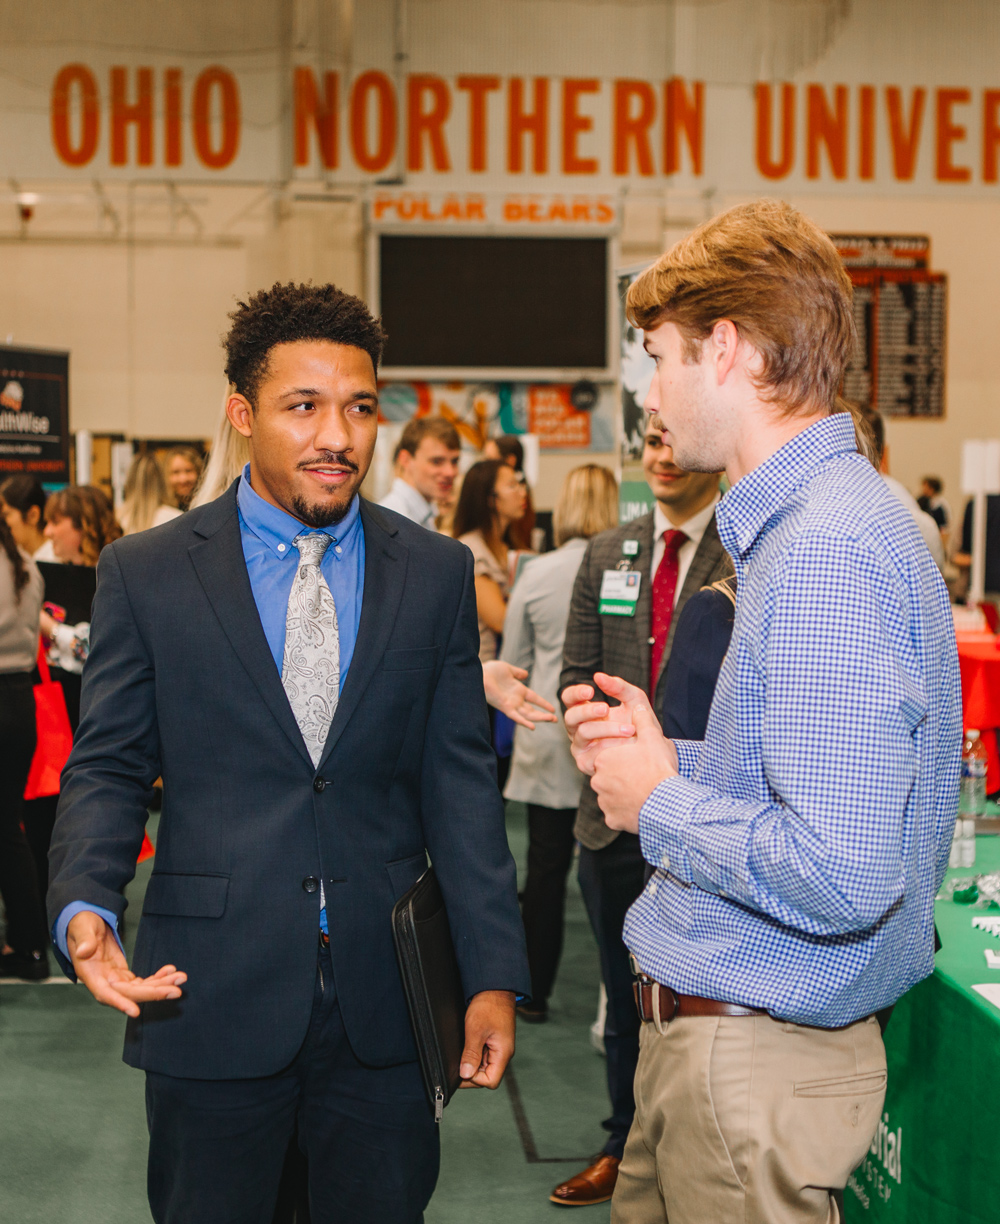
x,y
55,736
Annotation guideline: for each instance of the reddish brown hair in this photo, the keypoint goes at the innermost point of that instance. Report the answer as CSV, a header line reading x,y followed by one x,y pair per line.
x,y
90,512
775,275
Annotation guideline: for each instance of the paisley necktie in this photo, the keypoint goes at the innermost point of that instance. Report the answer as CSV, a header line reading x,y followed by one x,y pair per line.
x,y
310,668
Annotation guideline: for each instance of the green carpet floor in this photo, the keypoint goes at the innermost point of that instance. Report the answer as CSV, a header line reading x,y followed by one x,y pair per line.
x,y
73,1131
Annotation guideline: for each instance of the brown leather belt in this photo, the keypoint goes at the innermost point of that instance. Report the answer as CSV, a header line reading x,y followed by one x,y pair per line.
x,y
672,1006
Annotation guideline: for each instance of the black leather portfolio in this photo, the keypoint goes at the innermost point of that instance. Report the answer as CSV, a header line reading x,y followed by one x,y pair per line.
x,y
433,986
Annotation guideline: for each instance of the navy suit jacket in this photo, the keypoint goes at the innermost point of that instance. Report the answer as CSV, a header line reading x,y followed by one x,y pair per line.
x,y
701,640
180,683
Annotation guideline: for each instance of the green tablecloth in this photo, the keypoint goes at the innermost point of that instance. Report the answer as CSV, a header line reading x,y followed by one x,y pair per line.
x,y
938,1149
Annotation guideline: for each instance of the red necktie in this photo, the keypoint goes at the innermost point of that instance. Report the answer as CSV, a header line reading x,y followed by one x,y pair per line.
x,y
664,588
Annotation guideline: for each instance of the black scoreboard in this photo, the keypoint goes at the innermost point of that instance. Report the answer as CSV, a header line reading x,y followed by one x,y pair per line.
x,y
498,302
900,311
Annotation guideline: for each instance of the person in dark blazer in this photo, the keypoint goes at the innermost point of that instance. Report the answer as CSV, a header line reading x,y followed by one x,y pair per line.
x,y
701,640
676,550
302,669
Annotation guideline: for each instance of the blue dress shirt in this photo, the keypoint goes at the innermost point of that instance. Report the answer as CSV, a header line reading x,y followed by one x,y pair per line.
x,y
800,849
266,533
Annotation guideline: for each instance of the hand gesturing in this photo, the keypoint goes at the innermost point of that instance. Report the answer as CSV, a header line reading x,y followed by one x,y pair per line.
x,y
101,965
621,747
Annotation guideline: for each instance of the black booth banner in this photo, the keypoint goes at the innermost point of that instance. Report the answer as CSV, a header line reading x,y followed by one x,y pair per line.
x,y
34,413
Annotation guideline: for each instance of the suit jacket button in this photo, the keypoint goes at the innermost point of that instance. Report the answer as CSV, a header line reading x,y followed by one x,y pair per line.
x,y
310,884
319,785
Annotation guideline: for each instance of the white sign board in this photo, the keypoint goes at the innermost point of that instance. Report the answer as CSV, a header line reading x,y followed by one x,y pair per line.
x,y
981,466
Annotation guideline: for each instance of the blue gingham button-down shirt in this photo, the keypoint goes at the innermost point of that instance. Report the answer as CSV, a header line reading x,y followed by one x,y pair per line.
x,y
800,850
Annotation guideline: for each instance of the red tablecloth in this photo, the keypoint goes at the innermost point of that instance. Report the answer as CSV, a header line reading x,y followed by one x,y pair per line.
x,y
979,660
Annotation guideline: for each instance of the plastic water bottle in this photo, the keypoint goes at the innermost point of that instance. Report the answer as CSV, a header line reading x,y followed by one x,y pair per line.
x,y
972,792
963,843
971,801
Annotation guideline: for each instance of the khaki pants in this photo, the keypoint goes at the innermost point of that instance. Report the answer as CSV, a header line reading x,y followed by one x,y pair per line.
x,y
748,1119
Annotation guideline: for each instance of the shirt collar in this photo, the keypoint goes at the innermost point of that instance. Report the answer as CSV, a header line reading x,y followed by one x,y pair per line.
x,y
414,499
755,499
277,529
693,528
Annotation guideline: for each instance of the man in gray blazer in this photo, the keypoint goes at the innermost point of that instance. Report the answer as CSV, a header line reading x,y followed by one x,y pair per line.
x,y
676,551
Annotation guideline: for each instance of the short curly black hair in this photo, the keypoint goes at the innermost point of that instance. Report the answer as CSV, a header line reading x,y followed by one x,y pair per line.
x,y
285,313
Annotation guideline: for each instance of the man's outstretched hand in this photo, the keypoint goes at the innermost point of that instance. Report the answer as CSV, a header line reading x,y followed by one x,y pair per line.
x,y
505,692
101,965
489,1039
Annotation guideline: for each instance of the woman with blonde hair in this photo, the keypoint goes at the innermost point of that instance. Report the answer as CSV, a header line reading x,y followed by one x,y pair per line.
x,y
226,460
184,466
543,773
145,503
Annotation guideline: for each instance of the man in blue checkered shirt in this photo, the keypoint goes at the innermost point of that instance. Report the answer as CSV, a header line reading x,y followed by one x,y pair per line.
x,y
799,847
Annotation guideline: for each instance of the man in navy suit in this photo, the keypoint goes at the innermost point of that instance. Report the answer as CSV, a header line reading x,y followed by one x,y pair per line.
x,y
301,667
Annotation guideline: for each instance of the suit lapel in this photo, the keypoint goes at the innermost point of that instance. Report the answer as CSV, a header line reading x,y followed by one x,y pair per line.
x,y
385,577
219,563
643,618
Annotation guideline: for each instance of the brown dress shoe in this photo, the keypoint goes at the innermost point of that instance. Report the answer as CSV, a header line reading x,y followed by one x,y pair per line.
x,y
595,1184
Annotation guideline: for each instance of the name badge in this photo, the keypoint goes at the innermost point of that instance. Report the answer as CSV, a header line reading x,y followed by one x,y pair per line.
x,y
619,592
